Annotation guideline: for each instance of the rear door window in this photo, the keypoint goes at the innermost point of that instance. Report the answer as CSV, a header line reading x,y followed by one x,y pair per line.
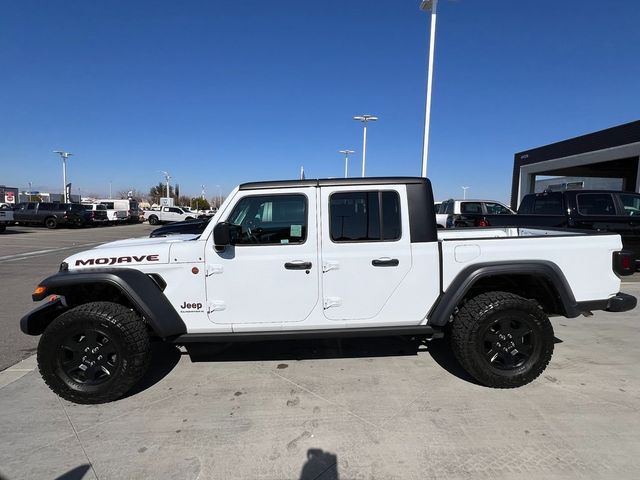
x,y
365,216
470,207
596,204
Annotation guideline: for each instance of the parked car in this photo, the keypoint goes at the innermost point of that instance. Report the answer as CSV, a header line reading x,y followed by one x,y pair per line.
x,y
467,209
51,214
601,210
98,213
6,218
129,206
169,214
195,227
322,258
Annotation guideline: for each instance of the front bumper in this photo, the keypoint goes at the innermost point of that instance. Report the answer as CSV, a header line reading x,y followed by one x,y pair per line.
x,y
622,302
34,322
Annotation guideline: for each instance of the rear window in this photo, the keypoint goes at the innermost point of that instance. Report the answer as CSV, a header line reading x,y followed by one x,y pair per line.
x,y
101,207
45,206
88,207
109,205
596,204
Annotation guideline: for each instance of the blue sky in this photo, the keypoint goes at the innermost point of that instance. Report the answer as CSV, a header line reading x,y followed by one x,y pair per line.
x,y
221,92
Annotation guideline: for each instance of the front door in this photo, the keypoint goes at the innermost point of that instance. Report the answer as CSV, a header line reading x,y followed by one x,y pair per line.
x,y
365,253
271,274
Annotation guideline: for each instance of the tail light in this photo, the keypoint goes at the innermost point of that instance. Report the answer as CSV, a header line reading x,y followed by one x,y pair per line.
x,y
624,263
93,214
483,222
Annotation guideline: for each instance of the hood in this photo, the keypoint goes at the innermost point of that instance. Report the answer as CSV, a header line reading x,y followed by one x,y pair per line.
x,y
130,253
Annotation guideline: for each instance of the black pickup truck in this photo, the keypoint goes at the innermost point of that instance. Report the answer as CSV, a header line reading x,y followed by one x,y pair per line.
x,y
51,214
602,210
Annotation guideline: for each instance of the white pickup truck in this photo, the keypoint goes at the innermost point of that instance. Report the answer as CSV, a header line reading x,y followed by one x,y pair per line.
x,y
322,258
6,218
169,214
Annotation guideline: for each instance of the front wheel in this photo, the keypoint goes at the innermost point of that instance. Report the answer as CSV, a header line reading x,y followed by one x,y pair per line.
x,y
502,339
153,220
94,353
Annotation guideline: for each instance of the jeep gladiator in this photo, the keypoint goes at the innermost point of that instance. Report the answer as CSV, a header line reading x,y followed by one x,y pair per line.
x,y
322,258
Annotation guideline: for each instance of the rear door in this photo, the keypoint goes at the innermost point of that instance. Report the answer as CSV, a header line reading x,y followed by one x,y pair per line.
x,y
365,252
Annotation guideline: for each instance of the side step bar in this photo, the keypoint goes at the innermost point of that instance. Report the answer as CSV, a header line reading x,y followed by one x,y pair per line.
x,y
420,330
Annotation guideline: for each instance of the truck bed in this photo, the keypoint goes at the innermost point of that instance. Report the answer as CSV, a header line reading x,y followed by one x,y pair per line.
x,y
577,253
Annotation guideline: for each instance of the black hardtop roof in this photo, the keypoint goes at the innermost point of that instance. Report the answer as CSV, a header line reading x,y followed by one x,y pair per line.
x,y
332,182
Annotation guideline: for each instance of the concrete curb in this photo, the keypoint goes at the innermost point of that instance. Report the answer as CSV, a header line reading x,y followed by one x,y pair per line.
x,y
18,371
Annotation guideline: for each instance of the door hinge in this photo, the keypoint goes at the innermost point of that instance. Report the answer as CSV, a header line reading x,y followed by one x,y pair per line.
x,y
326,266
216,306
213,269
332,302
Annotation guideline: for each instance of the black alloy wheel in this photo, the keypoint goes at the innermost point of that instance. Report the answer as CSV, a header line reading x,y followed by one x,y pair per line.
x,y
51,223
89,356
509,342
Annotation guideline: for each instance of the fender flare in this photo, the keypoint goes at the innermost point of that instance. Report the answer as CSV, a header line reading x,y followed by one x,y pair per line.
x,y
467,278
141,290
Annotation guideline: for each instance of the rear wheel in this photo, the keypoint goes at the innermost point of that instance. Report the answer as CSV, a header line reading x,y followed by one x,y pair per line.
x,y
51,223
502,339
153,220
94,353
3,227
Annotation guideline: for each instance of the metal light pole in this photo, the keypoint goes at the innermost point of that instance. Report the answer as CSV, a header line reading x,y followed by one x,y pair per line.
x,y
219,195
346,161
425,6
365,119
64,156
30,190
167,177
109,190
464,192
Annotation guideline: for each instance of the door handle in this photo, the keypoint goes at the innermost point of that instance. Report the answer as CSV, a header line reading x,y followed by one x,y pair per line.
x,y
298,265
385,262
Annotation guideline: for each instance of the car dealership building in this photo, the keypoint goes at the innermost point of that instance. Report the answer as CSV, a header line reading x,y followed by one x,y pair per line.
x,y
608,158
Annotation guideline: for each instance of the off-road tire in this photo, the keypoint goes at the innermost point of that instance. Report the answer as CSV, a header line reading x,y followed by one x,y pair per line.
x,y
127,334
153,220
51,223
3,227
474,329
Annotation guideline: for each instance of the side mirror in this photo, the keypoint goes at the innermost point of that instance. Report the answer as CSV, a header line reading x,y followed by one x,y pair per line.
x,y
225,234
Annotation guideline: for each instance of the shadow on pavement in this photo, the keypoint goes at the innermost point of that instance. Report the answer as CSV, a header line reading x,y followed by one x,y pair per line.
x,y
164,357
14,231
318,463
330,348
77,473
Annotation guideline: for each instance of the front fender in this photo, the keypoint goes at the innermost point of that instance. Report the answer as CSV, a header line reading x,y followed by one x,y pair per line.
x,y
143,293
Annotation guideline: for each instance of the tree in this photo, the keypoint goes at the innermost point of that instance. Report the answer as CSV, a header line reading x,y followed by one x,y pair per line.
x,y
200,204
160,191
133,193
184,201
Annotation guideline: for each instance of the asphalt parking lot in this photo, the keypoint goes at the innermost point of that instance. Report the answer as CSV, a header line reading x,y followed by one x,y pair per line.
x,y
382,408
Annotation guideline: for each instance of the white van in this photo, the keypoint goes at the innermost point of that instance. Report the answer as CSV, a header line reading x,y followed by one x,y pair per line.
x,y
122,210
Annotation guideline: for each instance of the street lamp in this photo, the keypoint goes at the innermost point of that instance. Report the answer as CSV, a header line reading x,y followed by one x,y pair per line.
x,y
167,177
64,156
346,161
365,119
425,6
30,190
464,192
